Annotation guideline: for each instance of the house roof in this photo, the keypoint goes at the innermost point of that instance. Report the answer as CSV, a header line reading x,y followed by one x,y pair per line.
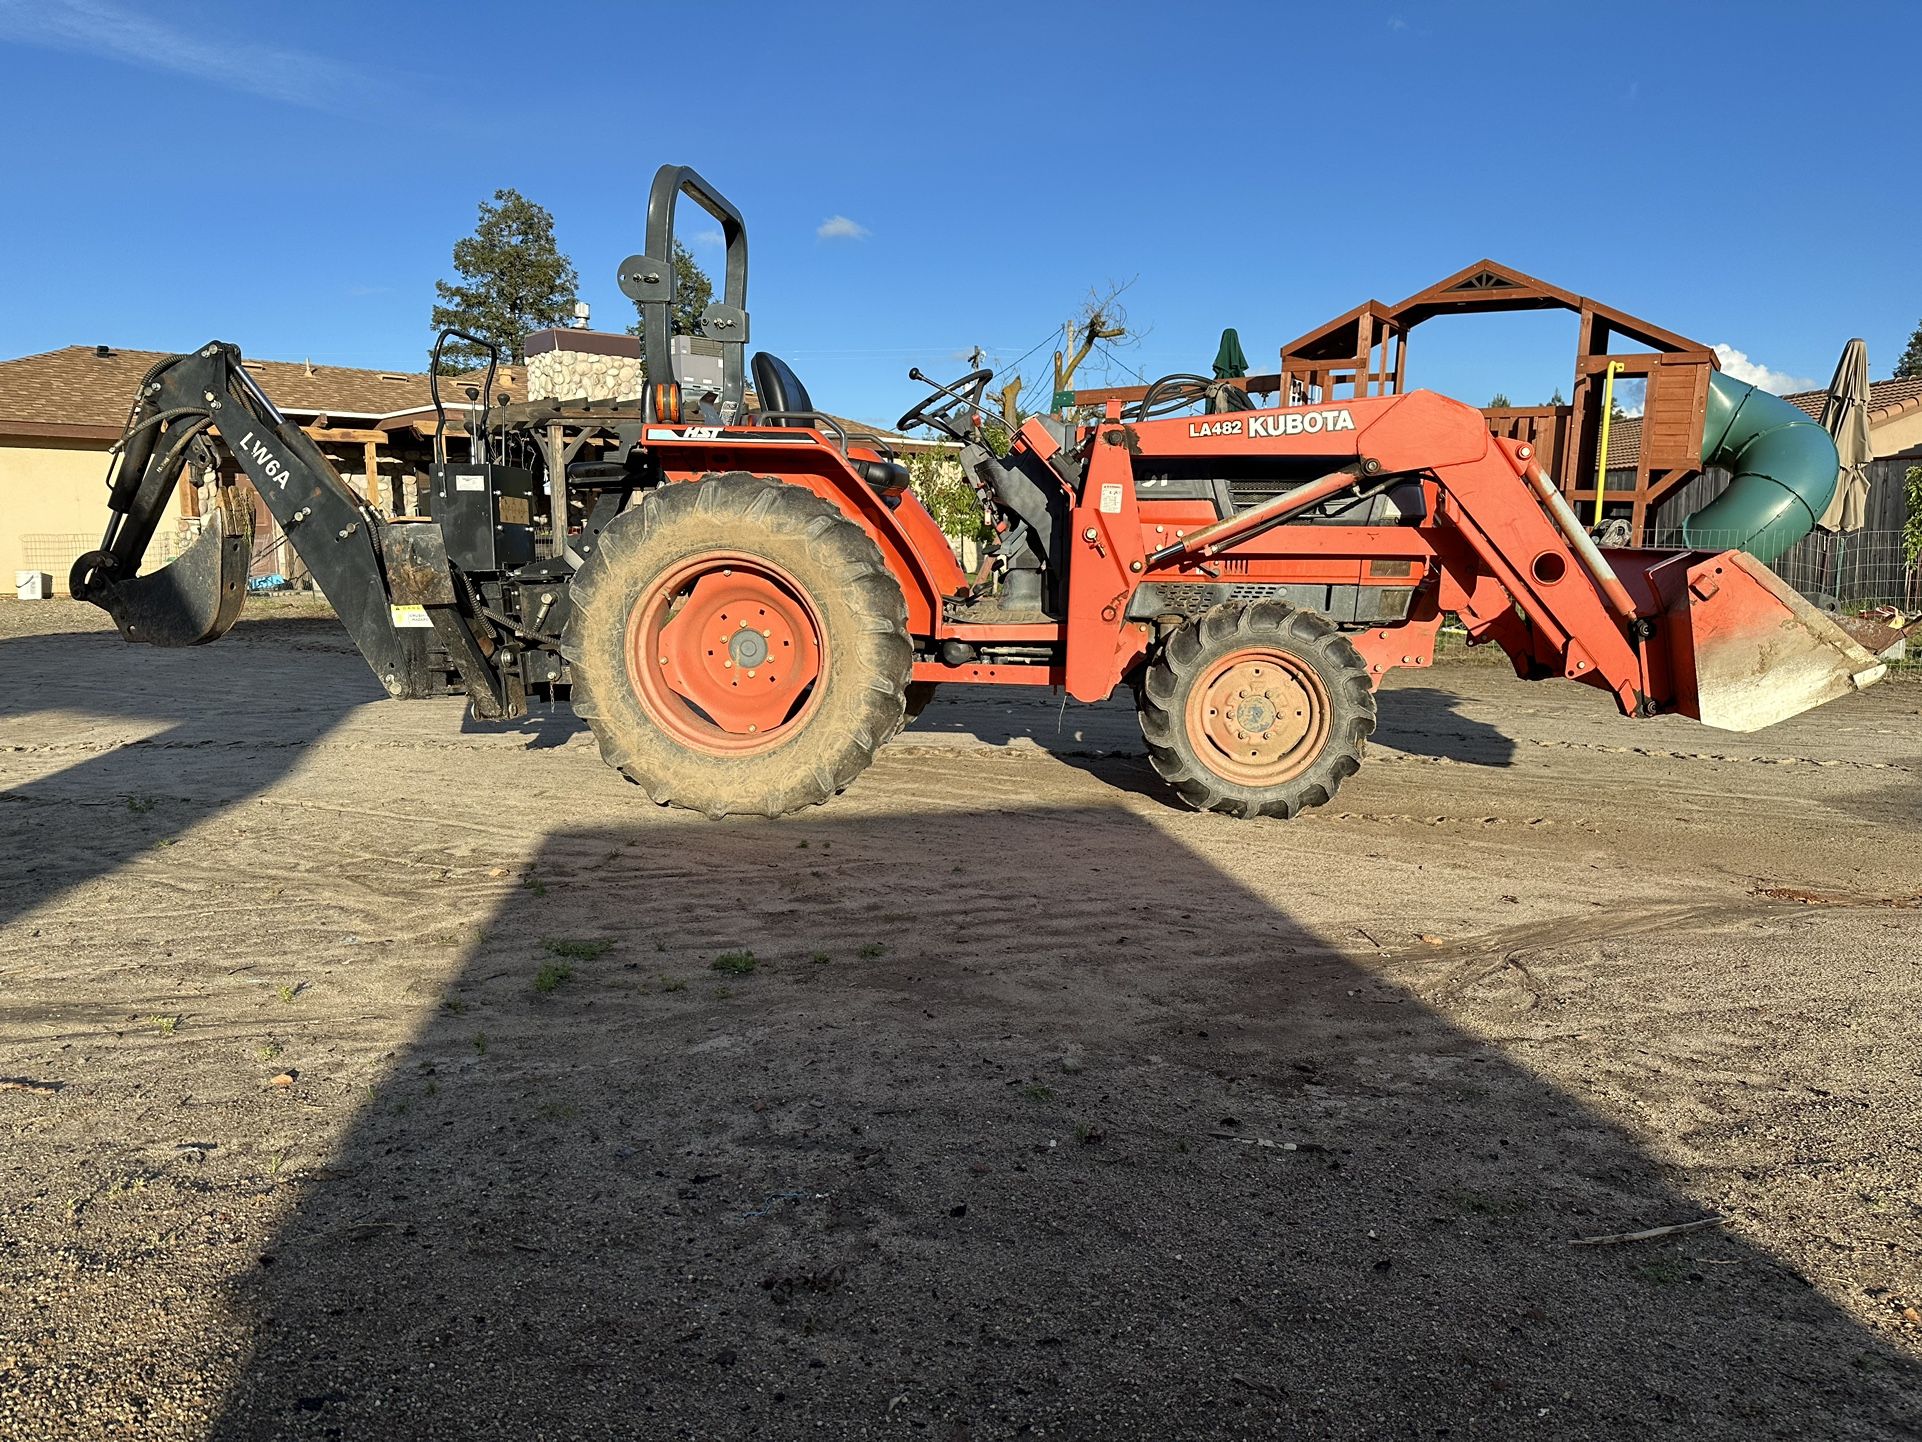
x,y
81,392
1887,400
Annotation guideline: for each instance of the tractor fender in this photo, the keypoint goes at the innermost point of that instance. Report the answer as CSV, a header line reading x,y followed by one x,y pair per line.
x,y
914,547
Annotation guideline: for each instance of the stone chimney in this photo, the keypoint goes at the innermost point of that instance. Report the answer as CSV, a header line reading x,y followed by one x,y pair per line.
x,y
583,365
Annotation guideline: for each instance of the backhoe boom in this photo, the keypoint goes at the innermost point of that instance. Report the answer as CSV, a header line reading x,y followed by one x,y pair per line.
x,y
186,404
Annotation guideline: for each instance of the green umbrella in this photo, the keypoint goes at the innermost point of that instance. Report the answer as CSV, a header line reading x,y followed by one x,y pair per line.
x,y
1230,363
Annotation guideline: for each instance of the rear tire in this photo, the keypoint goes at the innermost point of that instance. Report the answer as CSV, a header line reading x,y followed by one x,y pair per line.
x,y
738,645
1257,710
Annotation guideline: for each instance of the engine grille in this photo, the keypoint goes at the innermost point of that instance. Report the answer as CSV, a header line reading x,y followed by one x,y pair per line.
x,y
1191,599
1247,494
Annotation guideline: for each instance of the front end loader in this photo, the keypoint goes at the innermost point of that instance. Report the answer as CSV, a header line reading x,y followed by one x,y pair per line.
x,y
745,604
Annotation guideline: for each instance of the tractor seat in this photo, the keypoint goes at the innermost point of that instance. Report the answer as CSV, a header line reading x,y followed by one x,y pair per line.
x,y
780,389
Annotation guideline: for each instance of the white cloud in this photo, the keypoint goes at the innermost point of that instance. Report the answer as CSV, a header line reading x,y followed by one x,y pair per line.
x,y
709,237
103,29
1395,22
1781,383
839,227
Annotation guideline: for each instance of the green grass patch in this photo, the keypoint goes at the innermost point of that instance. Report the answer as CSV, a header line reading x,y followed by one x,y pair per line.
x,y
549,978
579,950
734,963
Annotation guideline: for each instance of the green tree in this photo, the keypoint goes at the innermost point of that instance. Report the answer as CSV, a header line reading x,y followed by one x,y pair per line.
x,y
1910,366
1912,523
513,280
938,481
692,292
1497,402
1556,399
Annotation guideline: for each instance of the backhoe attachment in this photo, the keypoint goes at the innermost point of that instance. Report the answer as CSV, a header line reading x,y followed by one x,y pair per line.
x,y
195,598
193,408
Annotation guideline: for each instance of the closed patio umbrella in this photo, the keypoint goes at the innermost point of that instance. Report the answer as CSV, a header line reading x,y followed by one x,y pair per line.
x,y
1845,416
1230,363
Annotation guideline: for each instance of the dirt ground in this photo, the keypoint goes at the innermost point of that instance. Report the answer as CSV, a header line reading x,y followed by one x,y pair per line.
x,y
376,1075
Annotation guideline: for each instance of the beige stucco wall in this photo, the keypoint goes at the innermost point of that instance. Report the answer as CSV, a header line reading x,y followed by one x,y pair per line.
x,y
50,489
53,497
1898,435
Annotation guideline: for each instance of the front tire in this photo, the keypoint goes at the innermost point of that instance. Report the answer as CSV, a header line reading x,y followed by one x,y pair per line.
x,y
738,645
1257,710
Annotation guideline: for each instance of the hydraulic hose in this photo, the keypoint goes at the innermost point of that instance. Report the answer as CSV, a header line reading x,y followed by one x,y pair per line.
x,y
1782,472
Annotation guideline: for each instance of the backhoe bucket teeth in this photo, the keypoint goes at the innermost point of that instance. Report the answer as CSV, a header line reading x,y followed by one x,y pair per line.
x,y
193,599
1748,650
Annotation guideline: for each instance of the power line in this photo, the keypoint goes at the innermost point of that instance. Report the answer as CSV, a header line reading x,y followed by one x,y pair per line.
x,y
1120,362
1029,351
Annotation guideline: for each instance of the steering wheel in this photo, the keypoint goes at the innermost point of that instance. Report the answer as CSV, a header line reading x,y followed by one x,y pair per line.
x,y
934,411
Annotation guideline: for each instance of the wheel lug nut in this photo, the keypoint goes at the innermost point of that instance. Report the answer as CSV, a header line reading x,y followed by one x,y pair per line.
x,y
728,664
750,675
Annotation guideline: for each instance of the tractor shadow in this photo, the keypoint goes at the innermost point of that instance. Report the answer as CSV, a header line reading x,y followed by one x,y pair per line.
x,y
1105,739
1427,721
548,726
977,1124
222,733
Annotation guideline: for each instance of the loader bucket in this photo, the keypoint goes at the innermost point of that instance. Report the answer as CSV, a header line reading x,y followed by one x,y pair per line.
x,y
193,599
1746,651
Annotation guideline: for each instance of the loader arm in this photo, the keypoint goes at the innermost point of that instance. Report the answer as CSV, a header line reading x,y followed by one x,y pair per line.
x,y
1711,635
189,406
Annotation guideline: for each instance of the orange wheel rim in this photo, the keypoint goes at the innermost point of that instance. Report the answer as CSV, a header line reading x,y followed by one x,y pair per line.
x,y
1258,717
726,653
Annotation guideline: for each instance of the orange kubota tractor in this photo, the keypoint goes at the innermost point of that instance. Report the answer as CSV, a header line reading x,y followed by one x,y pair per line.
x,y
745,607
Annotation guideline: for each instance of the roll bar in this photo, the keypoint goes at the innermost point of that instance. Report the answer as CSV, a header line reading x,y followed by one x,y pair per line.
x,y
648,280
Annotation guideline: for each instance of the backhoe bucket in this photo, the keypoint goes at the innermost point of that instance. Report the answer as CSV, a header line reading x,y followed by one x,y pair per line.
x,y
1746,650
193,599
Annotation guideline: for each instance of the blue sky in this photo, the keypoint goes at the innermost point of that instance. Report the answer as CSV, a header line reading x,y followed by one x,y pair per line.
x,y
921,179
